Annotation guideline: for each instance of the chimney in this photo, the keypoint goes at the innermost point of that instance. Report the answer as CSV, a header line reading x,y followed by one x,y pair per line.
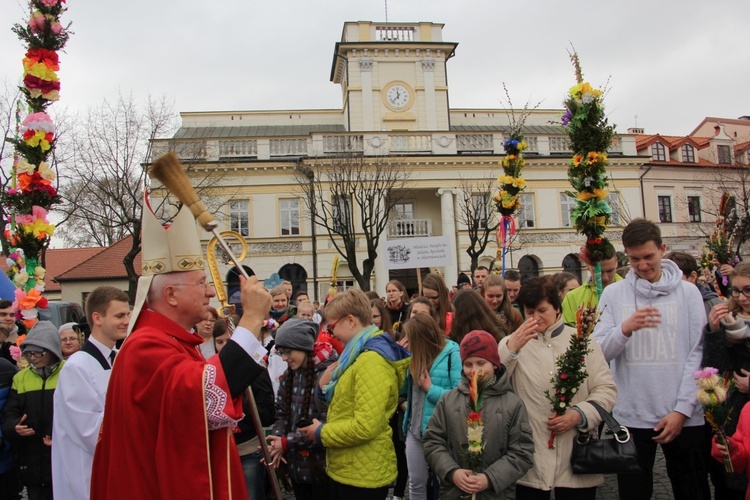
x,y
635,130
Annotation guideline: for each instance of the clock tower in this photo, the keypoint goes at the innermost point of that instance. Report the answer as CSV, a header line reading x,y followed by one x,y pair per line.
x,y
393,76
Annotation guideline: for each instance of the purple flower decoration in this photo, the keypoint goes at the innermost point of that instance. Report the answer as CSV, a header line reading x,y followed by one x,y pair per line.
x,y
566,117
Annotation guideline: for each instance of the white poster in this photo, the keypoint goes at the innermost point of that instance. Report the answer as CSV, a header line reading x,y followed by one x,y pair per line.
x,y
413,253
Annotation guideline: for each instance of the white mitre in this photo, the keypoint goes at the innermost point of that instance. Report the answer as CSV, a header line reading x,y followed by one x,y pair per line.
x,y
175,248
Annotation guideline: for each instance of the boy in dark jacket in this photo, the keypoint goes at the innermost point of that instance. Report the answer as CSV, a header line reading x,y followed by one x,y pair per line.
x,y
506,430
27,417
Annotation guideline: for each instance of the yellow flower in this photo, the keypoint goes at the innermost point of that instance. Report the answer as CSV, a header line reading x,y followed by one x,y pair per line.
x,y
601,193
520,182
508,179
585,195
577,159
39,272
522,145
511,203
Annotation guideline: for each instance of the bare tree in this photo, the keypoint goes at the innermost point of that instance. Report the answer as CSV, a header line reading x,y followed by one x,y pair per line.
x,y
103,195
336,189
476,211
8,100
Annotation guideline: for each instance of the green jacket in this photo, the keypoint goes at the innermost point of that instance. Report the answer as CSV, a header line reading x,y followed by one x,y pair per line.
x,y
509,446
357,436
33,396
584,294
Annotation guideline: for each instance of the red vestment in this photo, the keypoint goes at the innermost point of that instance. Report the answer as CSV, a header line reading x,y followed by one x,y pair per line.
x,y
155,440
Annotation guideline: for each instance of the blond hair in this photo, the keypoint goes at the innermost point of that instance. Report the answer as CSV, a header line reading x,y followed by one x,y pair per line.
x,y
426,342
352,302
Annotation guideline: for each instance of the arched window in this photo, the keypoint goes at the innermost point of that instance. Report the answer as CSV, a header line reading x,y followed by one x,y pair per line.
x,y
528,267
296,274
233,287
572,264
658,152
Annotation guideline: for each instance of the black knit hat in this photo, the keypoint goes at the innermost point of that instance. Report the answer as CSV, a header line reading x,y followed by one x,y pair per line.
x,y
297,333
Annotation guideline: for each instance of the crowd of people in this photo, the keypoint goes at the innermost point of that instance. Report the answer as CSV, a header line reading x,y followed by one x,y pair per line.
x,y
368,393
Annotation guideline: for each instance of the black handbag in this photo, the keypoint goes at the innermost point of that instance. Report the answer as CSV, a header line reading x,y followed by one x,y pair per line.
x,y
610,455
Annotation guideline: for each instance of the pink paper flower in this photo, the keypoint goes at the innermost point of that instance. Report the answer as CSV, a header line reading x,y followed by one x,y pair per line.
x,y
705,372
38,121
15,352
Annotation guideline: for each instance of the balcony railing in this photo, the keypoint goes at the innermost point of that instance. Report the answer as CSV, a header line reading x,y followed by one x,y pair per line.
x,y
409,228
343,143
394,34
238,149
288,147
411,143
474,143
369,144
559,145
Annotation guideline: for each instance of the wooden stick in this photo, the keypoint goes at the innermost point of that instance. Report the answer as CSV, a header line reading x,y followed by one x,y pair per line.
x,y
170,172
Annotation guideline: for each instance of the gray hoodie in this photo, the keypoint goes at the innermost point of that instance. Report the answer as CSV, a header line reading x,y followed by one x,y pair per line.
x,y
653,368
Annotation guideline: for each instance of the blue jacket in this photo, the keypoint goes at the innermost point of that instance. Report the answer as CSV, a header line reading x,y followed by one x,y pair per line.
x,y
445,374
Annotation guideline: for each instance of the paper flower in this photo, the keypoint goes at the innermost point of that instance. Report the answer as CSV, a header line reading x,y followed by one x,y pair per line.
x,y
15,352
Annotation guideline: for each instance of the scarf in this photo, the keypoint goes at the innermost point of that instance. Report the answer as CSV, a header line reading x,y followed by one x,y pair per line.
x,y
352,350
397,307
279,316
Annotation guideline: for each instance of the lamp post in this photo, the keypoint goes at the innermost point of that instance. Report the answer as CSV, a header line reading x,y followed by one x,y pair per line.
x,y
310,174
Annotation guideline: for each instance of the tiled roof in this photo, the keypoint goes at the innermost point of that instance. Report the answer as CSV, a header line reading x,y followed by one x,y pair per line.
x,y
107,264
528,129
255,131
59,261
741,147
673,142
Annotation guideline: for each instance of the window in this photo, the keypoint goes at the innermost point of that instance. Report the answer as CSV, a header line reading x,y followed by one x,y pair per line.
x,y
725,154
289,216
341,286
525,214
688,153
613,200
341,214
658,152
665,208
239,217
567,204
479,203
404,210
694,208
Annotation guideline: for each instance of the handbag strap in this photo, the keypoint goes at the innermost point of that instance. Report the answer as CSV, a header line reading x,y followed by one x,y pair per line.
x,y
621,433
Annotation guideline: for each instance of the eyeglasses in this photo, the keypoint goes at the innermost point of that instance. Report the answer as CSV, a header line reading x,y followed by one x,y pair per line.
x,y
331,326
33,354
204,284
283,352
736,292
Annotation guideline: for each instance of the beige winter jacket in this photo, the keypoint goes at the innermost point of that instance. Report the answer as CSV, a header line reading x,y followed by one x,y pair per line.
x,y
530,375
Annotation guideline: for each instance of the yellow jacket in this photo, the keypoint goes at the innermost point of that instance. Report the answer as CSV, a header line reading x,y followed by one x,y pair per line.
x,y
357,437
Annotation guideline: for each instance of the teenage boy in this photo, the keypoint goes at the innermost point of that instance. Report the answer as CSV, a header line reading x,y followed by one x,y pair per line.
x,y
81,391
650,332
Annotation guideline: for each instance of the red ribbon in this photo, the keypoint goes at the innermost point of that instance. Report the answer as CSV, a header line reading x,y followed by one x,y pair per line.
x,y
507,226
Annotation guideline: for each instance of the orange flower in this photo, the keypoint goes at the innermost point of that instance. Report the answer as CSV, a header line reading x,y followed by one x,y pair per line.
x,y
31,299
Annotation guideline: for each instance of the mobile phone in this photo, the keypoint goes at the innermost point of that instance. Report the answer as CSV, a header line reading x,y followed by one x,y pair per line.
x,y
304,422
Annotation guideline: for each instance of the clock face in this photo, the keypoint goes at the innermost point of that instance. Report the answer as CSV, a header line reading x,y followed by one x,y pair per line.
x,y
398,96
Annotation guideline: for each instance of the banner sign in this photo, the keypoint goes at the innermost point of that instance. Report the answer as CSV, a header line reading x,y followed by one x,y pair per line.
x,y
414,253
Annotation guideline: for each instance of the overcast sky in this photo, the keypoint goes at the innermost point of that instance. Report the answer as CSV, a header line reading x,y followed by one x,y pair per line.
x,y
670,63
